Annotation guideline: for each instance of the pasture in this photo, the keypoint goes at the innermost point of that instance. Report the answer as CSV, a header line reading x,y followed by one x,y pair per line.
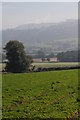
x,y
55,64
48,65
40,95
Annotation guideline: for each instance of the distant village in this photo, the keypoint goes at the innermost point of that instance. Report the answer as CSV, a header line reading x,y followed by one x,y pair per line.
x,y
39,54
54,59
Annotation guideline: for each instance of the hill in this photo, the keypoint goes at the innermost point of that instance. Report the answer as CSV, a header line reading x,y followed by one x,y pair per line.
x,y
60,36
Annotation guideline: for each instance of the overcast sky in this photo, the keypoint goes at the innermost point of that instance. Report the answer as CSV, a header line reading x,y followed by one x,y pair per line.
x,y
18,13
40,0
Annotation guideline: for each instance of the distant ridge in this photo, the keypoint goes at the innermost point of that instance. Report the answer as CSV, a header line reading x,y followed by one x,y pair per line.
x,y
40,25
45,34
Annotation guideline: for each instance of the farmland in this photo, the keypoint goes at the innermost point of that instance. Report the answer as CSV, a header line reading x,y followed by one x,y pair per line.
x,y
55,64
48,65
40,95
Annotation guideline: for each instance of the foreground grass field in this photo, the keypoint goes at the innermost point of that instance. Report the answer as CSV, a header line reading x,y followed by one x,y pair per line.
x,y
44,95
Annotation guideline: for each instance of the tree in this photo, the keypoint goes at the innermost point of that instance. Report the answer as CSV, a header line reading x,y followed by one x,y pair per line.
x,y
50,55
43,59
17,59
69,56
48,59
40,54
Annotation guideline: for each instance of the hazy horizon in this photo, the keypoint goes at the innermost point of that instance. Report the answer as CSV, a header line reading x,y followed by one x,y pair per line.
x,y
16,14
40,23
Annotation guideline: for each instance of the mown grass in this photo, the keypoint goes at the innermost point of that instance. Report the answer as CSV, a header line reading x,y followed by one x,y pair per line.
x,y
44,95
55,64
47,65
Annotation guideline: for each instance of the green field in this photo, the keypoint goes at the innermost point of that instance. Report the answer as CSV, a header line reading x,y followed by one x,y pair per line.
x,y
48,65
55,64
44,94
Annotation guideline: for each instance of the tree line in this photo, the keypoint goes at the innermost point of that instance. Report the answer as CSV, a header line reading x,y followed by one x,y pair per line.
x,y
19,62
69,56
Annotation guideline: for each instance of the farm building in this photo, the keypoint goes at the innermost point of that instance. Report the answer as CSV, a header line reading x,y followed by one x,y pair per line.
x,y
37,60
45,60
53,59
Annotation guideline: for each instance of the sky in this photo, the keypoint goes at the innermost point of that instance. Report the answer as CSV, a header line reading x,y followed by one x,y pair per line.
x,y
40,0
18,13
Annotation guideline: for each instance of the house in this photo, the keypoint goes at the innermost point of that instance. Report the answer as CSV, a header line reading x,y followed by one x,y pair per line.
x,y
45,60
37,60
53,59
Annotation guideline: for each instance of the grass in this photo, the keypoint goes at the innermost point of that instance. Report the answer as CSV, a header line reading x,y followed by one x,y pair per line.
x,y
2,66
48,64
55,64
44,95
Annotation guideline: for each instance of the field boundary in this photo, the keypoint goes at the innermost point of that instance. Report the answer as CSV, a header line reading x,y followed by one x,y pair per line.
x,y
56,68
46,69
